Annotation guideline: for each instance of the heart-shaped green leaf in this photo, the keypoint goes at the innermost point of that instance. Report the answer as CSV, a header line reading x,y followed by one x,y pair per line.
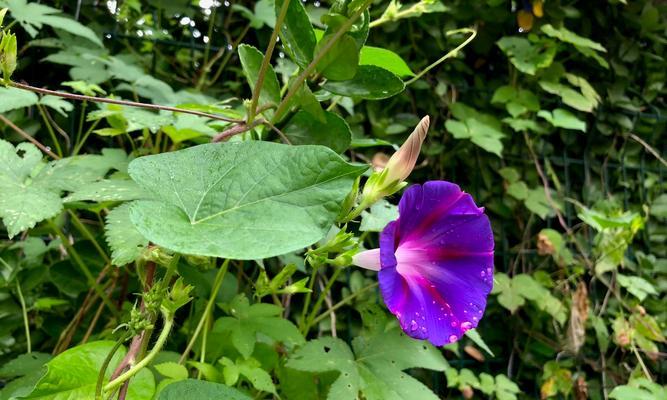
x,y
246,200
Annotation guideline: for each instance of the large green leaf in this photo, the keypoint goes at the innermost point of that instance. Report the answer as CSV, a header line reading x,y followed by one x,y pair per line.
x,y
304,128
32,16
245,200
196,389
370,82
73,375
297,33
251,60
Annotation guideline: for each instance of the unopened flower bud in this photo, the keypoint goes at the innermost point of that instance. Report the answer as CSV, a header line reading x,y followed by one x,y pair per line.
x,y
391,179
8,50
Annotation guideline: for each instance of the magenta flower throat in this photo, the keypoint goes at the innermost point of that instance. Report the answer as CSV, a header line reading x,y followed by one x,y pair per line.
x,y
435,262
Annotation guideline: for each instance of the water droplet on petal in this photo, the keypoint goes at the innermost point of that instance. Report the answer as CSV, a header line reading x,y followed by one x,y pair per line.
x,y
482,274
465,326
413,325
423,329
452,338
454,324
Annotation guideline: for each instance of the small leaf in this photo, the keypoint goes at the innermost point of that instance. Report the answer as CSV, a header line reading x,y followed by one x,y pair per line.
x,y
251,60
303,128
341,61
527,57
297,33
370,82
563,119
57,103
385,59
32,16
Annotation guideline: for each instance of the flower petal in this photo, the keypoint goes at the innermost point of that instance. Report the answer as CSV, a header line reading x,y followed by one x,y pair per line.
x,y
437,263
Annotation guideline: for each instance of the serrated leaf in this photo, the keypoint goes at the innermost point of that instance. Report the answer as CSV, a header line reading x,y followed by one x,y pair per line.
x,y
197,389
125,241
107,190
12,98
57,103
23,202
32,16
527,57
291,194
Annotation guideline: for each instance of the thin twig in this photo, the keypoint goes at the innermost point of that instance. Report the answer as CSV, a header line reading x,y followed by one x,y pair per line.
x,y
128,103
649,148
28,137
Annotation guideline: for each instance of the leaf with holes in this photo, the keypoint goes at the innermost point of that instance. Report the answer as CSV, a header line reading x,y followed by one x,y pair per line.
x,y
375,367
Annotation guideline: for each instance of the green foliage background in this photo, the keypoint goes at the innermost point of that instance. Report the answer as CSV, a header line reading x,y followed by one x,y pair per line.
x,y
556,127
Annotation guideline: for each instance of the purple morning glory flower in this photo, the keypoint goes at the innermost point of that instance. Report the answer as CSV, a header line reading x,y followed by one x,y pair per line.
x,y
435,262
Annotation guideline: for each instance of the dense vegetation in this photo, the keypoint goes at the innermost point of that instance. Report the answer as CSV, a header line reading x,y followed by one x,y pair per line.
x,y
551,114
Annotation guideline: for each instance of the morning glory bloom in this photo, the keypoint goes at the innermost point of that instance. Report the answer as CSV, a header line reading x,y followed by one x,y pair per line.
x,y
435,262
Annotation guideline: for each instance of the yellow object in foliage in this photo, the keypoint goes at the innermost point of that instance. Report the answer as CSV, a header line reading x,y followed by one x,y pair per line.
x,y
524,17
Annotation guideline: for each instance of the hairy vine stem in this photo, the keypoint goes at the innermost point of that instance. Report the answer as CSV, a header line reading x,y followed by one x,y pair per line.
x,y
266,61
162,338
299,81
128,103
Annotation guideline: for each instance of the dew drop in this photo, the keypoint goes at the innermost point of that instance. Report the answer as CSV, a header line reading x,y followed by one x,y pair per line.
x,y
482,274
423,329
465,326
413,325
454,324
452,338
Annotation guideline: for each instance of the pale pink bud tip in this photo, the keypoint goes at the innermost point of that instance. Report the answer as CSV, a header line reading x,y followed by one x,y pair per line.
x,y
402,163
369,259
